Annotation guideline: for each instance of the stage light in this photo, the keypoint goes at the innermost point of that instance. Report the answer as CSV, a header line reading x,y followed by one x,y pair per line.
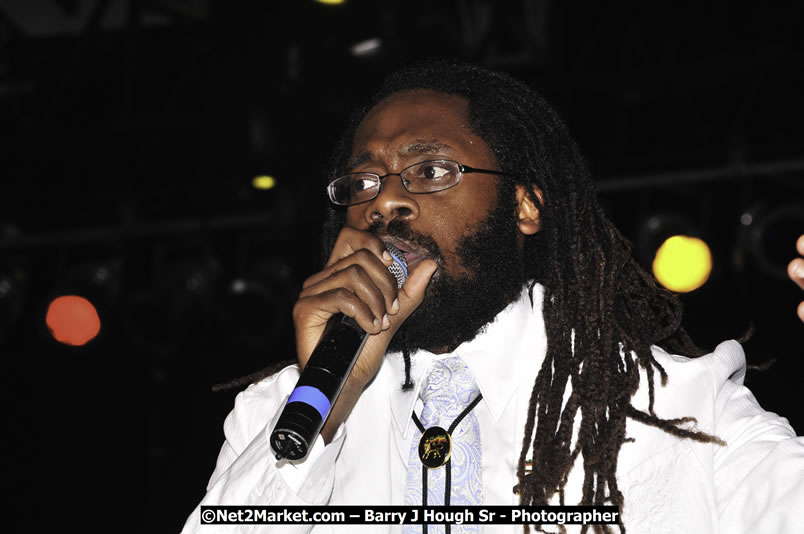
x,y
366,48
263,182
682,263
331,2
72,320
671,246
82,300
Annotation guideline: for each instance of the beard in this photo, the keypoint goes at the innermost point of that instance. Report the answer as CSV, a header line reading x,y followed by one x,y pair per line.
x,y
457,309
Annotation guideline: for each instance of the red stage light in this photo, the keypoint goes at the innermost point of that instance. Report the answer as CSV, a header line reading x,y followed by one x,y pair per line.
x,y
72,320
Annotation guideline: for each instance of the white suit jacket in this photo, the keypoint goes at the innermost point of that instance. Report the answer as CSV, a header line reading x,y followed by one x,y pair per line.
x,y
754,484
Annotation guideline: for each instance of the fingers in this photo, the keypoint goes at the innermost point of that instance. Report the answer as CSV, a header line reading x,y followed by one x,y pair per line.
x,y
357,283
358,265
359,286
351,240
795,269
412,292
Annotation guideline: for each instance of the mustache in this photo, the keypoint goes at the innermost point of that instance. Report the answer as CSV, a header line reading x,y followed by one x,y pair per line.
x,y
401,230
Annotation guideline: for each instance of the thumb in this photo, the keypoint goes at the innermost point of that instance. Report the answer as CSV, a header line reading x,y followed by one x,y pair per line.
x,y
412,292
410,296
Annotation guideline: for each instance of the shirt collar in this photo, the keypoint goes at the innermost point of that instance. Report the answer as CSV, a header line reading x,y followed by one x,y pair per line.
x,y
512,344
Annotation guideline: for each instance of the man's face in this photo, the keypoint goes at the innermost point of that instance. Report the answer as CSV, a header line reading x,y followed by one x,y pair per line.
x,y
471,235
417,126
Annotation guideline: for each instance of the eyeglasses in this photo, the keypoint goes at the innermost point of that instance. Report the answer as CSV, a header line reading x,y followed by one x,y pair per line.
x,y
420,178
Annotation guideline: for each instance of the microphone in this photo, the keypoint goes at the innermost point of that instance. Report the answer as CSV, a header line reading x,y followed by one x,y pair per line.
x,y
323,377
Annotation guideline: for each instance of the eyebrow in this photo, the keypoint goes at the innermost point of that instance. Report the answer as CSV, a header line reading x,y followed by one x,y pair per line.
x,y
425,147
416,147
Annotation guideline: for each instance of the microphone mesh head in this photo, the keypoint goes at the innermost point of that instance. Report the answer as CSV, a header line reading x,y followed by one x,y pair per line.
x,y
400,266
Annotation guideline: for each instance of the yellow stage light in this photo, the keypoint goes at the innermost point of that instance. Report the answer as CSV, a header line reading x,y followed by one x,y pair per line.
x,y
682,263
264,182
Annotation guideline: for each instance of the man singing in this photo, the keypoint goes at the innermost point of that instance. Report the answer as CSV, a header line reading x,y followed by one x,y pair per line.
x,y
551,366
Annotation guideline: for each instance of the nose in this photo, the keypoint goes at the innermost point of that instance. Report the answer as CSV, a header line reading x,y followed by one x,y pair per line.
x,y
392,202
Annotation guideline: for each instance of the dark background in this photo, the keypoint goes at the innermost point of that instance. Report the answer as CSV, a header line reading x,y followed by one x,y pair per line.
x,y
131,131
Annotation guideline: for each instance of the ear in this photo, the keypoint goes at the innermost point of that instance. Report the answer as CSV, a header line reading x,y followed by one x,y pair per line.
x,y
529,219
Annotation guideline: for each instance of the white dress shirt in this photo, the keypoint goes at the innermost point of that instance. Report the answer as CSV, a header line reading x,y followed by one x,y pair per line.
x,y
754,484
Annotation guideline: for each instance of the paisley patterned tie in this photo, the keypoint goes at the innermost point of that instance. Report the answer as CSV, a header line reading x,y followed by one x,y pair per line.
x,y
447,392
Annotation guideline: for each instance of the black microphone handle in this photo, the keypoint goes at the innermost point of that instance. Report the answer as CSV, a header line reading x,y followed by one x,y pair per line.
x,y
325,373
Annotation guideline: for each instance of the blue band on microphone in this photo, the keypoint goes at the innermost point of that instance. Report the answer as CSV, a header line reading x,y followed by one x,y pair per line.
x,y
313,397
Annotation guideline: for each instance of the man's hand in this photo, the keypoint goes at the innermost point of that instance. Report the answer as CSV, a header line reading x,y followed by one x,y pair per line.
x,y
796,272
357,283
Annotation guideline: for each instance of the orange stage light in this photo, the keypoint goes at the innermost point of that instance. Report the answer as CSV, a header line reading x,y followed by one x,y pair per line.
x,y
72,320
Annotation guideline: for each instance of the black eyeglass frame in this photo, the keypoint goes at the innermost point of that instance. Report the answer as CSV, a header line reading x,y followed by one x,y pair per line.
x,y
462,169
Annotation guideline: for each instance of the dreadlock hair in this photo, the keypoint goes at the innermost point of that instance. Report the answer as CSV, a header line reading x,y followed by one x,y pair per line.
x,y
602,311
